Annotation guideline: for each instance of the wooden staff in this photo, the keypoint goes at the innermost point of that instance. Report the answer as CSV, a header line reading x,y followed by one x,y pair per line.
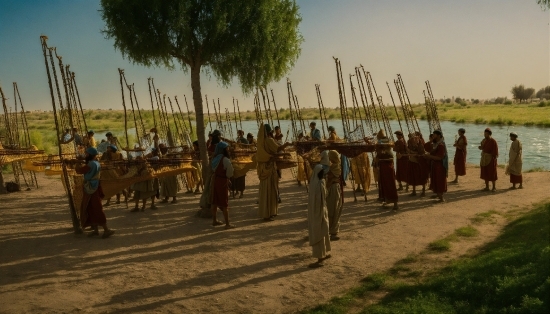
x,y
320,111
343,109
275,107
373,103
26,133
121,72
228,123
79,102
143,130
364,101
152,106
216,115
383,113
320,100
208,110
267,111
428,112
180,117
188,115
394,107
72,103
174,117
235,117
239,111
74,217
406,113
292,121
64,80
400,79
359,161
62,112
134,113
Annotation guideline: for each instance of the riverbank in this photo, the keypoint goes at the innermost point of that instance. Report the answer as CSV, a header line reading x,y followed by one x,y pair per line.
x,y
41,124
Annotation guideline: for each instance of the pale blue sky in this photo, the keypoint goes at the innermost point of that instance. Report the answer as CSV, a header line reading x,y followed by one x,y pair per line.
x,y
468,48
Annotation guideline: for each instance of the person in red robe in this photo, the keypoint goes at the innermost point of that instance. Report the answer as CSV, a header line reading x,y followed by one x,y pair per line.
x,y
417,168
91,209
386,180
461,144
440,165
223,170
402,163
488,163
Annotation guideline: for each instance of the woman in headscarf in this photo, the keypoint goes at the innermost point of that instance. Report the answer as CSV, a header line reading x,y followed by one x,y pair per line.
x,y
386,181
267,148
334,194
91,209
317,217
222,171
515,162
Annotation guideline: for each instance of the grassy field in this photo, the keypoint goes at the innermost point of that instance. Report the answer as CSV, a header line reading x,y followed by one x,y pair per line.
x,y
510,275
41,124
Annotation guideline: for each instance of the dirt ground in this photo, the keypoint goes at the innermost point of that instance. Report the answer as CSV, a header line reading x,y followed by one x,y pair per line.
x,y
169,261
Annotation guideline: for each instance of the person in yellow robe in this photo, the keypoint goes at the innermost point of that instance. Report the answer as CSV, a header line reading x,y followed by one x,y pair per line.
x,y
267,147
317,217
360,169
112,155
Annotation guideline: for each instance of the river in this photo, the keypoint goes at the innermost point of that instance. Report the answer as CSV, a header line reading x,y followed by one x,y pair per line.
x,y
536,141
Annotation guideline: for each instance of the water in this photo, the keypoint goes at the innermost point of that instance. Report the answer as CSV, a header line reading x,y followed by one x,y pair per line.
x,y
535,141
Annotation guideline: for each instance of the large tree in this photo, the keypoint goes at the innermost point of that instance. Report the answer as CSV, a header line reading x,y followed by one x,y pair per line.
x,y
521,93
253,41
545,4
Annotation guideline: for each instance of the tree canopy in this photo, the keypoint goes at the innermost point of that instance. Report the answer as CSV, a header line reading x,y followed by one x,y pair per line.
x,y
521,93
543,93
545,4
255,41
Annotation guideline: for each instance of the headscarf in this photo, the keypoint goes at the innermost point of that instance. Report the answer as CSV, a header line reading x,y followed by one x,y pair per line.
x,y
335,167
262,154
514,134
331,128
92,151
325,162
218,154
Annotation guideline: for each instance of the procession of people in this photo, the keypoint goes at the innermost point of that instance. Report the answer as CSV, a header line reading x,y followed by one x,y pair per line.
x,y
415,163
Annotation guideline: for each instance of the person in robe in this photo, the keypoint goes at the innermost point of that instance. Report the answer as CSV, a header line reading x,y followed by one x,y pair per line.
x,y
461,145
91,210
360,171
417,171
213,141
250,138
240,137
155,137
488,162
440,165
315,134
77,138
278,136
402,161
89,140
335,201
222,171
317,217
147,189
169,186
112,155
515,162
268,206
387,191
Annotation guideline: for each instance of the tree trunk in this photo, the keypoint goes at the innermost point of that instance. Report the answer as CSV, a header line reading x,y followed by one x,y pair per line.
x,y
197,101
2,183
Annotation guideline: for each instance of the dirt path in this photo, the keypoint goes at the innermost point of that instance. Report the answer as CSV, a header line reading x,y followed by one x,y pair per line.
x,y
169,261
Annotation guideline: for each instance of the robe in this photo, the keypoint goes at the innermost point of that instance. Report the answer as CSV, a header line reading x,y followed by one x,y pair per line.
x,y
145,189
438,173
488,163
460,156
169,186
220,183
268,204
386,179
402,161
515,162
91,209
317,216
304,169
360,169
417,168
335,201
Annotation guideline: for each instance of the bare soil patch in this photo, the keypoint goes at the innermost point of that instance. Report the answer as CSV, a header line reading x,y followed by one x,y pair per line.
x,y
170,261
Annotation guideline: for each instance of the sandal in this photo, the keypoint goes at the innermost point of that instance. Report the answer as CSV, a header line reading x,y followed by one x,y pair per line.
x,y
174,202
107,233
229,227
217,223
316,265
93,234
136,209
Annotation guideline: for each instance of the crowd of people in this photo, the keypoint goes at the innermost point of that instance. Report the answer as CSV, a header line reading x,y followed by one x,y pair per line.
x,y
417,163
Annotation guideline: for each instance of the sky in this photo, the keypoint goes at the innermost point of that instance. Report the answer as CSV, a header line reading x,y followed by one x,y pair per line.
x,y
470,48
